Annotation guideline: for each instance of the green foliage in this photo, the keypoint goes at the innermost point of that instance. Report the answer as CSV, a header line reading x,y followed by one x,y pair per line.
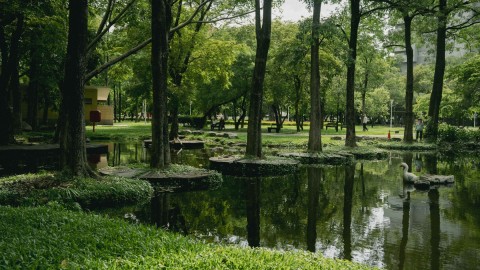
x,y
39,189
453,134
50,238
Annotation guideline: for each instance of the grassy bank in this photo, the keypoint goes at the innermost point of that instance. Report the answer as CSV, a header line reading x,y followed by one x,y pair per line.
x,y
49,238
47,187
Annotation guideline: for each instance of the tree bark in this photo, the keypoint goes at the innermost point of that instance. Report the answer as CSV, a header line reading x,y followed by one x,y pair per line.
x,y
350,140
263,33
72,147
175,103
437,89
9,60
315,132
161,21
408,133
298,88
14,84
33,86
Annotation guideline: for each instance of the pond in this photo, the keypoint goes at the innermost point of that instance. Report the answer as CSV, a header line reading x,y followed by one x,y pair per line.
x,y
361,212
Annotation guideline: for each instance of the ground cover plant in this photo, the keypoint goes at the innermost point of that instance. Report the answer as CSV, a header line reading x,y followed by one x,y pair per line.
x,y
54,238
45,187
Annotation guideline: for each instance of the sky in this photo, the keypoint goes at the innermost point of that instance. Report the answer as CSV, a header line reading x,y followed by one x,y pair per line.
x,y
294,10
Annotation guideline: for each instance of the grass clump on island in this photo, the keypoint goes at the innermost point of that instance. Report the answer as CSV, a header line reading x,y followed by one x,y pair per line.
x,y
54,238
47,187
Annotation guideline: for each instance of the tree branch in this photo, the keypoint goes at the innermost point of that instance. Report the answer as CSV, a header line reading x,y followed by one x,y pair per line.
x,y
110,24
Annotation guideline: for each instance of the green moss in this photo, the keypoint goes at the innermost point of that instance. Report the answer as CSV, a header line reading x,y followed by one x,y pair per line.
x,y
48,238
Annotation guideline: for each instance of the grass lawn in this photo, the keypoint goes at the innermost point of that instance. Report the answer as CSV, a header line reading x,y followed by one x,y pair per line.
x,y
133,131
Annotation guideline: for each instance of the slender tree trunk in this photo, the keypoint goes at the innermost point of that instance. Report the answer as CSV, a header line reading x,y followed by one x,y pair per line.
x,y
34,83
72,149
119,103
46,105
175,103
408,133
437,89
9,60
263,33
16,100
298,88
315,133
365,86
161,21
350,140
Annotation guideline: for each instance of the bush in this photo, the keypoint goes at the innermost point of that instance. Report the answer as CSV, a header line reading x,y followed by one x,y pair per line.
x,y
52,238
453,134
42,188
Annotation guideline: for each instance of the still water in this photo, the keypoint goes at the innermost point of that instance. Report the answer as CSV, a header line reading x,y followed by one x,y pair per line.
x,y
361,212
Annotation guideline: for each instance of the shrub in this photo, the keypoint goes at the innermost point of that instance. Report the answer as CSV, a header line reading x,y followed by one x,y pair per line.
x,y
453,134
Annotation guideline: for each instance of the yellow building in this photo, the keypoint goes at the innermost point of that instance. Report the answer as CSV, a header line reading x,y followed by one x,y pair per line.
x,y
95,99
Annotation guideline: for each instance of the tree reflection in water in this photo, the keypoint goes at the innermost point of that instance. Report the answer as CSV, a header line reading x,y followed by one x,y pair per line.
x,y
253,211
347,211
315,175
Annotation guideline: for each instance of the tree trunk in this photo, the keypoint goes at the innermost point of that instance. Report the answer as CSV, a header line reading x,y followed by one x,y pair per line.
x,y
16,100
161,21
175,103
350,140
119,103
315,133
298,88
408,133
32,94
263,32
365,86
9,60
72,147
46,105
436,95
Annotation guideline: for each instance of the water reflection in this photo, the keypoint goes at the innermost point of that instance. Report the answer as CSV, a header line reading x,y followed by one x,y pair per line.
x,y
315,175
347,211
253,211
362,212
434,196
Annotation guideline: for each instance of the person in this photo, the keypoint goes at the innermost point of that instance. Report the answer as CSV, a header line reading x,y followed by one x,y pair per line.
x,y
365,121
419,129
221,125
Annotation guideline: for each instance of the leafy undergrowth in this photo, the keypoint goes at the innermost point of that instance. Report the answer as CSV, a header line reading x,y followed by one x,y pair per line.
x,y
53,238
43,188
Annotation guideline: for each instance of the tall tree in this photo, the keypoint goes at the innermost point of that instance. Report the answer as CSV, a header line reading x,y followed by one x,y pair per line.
x,y
458,15
161,21
355,16
263,31
72,138
356,13
316,123
408,10
437,88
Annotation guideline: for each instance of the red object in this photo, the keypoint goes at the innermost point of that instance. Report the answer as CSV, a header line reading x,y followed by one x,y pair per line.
x,y
95,116
389,134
